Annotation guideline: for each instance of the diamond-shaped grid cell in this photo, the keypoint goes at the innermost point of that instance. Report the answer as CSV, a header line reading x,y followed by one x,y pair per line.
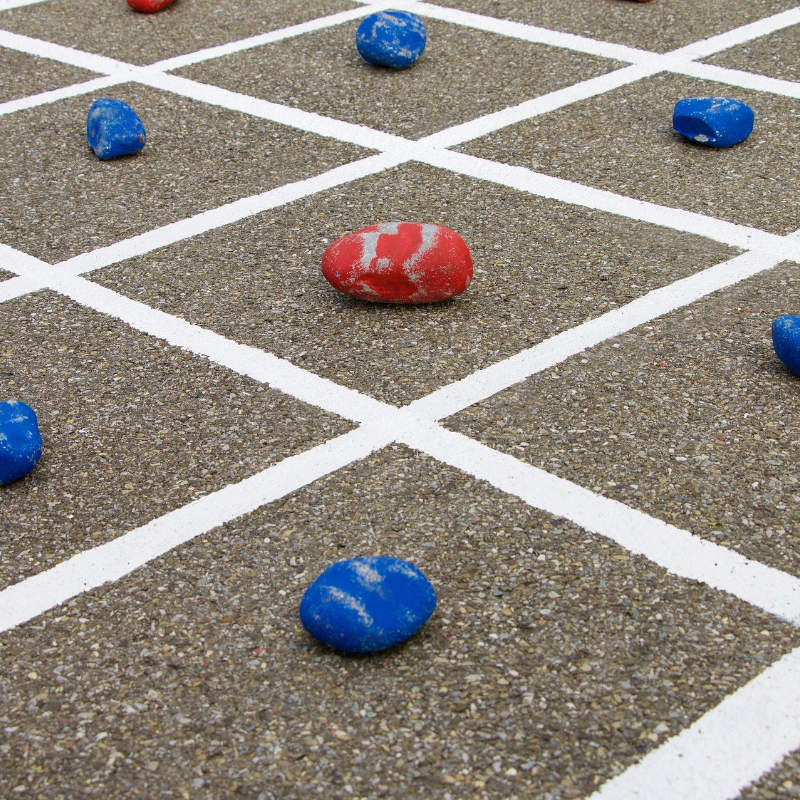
x,y
116,30
691,419
22,75
462,74
540,267
554,659
132,428
64,201
659,26
774,55
623,141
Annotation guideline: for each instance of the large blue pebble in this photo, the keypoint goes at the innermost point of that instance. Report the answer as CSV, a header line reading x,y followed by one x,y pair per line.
x,y
391,38
113,129
713,121
20,440
366,604
786,340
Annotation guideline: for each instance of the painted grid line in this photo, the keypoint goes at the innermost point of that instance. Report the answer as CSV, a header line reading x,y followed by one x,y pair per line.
x,y
677,550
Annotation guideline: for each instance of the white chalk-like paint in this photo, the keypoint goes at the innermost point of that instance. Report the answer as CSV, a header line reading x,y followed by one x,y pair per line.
x,y
13,288
486,382
227,214
677,550
66,55
537,183
5,5
741,35
27,599
740,78
729,747
291,31
348,601
74,90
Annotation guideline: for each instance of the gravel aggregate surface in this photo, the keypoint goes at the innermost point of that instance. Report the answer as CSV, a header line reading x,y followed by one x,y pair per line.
x,y
64,201
21,74
781,783
691,418
623,141
462,74
658,26
540,267
132,428
774,55
554,659
114,29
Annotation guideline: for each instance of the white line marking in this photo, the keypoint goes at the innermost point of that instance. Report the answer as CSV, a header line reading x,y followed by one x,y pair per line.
x,y
320,23
486,382
73,90
227,214
579,194
13,288
66,55
729,747
27,599
242,359
736,36
676,550
489,123
744,80
5,5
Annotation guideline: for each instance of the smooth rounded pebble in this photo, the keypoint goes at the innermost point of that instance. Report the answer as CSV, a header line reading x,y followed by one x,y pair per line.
x,y
399,262
20,440
113,129
149,6
713,121
367,604
391,39
786,340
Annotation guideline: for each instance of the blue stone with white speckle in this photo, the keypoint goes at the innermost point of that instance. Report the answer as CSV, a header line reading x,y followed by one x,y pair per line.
x,y
20,440
786,340
391,39
713,121
367,604
114,129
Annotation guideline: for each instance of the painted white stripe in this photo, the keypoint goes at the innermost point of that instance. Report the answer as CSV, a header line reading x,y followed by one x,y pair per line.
x,y
489,123
676,550
7,4
66,55
744,80
286,115
484,383
74,90
227,214
578,194
23,601
242,359
527,33
17,287
729,747
320,23
737,36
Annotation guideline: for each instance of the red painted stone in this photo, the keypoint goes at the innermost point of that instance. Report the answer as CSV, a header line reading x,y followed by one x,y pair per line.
x,y
149,6
399,262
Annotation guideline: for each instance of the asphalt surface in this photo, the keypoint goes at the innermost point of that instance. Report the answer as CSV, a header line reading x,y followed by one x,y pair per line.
x,y
555,658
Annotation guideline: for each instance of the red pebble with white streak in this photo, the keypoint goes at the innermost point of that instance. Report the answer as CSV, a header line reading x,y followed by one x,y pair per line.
x,y
399,262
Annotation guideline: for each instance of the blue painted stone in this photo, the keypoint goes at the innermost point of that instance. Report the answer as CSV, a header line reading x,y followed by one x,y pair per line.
x,y
366,604
113,129
713,121
20,440
786,340
391,38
